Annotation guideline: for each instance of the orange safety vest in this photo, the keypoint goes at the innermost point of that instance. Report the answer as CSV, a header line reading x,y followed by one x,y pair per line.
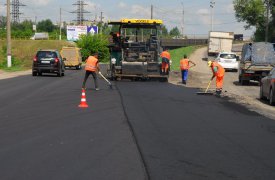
x,y
220,71
165,54
91,64
184,64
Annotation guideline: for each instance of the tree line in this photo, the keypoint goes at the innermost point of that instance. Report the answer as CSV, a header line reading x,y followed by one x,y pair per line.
x,y
259,14
25,30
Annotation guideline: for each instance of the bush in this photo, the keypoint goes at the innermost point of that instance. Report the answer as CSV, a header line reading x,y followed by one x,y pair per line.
x,y
90,44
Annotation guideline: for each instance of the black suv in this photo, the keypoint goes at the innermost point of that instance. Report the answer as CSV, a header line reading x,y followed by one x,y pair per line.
x,y
48,61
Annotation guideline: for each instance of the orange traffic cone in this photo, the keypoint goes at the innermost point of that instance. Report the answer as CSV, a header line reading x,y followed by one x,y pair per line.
x,y
83,103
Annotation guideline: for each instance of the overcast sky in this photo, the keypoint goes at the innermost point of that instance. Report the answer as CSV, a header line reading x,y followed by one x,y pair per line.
x,y
197,13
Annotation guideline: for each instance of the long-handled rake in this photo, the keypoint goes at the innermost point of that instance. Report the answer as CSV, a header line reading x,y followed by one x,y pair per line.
x,y
205,92
110,84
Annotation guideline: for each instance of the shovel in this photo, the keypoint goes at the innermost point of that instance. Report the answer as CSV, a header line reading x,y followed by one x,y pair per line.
x,y
205,92
110,84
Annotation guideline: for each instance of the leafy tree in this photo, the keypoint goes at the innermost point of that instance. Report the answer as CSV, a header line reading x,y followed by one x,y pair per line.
x,y
3,21
90,44
252,12
174,32
164,30
24,26
106,29
45,26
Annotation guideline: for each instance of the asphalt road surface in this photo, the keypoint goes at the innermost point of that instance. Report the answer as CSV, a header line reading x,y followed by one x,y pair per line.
x,y
138,130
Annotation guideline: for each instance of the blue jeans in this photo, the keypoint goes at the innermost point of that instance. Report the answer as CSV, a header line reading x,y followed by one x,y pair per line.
x,y
184,75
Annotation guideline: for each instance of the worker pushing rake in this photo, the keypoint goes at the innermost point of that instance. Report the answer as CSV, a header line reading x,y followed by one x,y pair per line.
x,y
218,72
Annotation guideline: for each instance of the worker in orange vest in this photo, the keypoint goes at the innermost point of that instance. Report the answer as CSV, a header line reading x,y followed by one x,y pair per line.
x,y
166,57
218,72
91,67
184,67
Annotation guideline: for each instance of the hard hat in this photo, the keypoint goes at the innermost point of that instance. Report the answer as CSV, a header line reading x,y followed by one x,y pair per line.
x,y
209,63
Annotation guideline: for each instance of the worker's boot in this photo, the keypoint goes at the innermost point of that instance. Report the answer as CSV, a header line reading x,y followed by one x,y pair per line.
x,y
218,92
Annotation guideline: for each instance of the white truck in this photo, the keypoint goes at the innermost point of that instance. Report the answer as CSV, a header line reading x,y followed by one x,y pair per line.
x,y
220,42
40,36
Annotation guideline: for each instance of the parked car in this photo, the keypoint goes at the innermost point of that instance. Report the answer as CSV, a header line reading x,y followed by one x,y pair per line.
x,y
48,61
267,87
228,60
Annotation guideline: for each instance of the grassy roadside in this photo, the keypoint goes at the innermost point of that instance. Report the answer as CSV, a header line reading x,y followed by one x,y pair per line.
x,y
23,52
177,55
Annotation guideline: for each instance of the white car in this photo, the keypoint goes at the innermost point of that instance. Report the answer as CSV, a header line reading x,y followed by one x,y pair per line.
x,y
228,60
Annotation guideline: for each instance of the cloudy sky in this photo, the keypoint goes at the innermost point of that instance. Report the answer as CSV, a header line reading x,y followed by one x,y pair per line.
x,y
196,20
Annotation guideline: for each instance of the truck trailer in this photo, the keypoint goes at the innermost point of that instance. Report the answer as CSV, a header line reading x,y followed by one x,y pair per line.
x,y
220,42
256,62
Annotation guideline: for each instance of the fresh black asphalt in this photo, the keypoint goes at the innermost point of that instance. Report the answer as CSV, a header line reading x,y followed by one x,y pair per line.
x,y
138,130
44,135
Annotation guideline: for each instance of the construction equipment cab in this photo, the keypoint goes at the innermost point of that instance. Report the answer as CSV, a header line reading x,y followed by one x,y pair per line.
x,y
72,57
135,49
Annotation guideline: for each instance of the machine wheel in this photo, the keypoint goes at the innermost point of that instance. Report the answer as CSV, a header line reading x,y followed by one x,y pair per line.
x,y
261,93
163,79
59,73
78,67
245,82
40,74
113,78
271,97
34,73
242,81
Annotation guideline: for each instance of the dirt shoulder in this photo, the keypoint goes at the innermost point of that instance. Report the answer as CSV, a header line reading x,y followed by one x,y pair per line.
x,y
200,75
6,75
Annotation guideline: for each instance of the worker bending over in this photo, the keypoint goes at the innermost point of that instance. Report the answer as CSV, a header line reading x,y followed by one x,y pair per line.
x,y
218,72
165,56
91,67
184,67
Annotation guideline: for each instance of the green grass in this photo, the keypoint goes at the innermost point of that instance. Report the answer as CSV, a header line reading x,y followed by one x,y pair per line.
x,y
23,52
177,55
13,68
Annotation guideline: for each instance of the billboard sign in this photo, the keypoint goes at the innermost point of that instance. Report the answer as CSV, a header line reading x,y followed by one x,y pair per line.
x,y
73,32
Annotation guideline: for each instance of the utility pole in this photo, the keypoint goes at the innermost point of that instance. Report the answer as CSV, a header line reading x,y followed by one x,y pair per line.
x,y
267,19
34,27
60,23
8,34
101,16
152,10
182,25
101,22
212,5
